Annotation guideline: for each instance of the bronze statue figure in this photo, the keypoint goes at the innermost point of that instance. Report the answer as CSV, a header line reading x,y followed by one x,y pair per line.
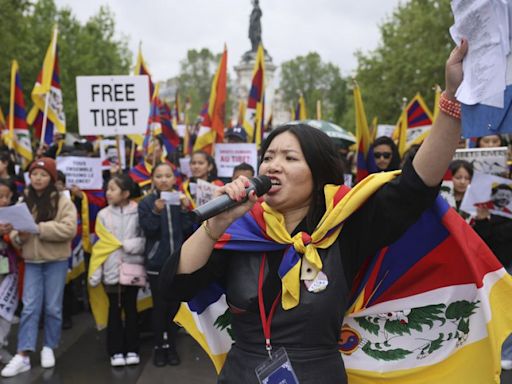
x,y
255,26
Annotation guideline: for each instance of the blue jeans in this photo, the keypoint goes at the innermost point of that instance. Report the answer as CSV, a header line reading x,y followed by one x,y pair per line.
x,y
43,284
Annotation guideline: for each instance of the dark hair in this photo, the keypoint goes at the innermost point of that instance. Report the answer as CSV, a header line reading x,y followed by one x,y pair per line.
x,y
243,167
125,183
9,183
395,155
503,141
44,205
6,157
322,159
159,164
61,176
212,175
455,165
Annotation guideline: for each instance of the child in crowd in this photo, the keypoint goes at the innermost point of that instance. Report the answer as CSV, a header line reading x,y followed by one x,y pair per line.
x,y
243,169
45,253
165,224
121,220
8,269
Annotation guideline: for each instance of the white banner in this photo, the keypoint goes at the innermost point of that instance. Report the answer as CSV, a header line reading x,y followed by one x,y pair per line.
x,y
491,191
84,172
109,154
485,160
9,296
228,156
112,105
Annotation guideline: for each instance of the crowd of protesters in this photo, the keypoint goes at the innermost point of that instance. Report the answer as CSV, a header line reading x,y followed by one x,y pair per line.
x,y
132,211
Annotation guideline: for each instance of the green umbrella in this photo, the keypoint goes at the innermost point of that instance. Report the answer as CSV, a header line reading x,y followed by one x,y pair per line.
x,y
332,130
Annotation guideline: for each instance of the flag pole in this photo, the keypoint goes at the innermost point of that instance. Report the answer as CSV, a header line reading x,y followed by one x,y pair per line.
x,y
132,154
119,160
45,114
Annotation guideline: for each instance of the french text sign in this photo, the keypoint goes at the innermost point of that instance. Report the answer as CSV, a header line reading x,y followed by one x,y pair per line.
x,y
84,172
228,156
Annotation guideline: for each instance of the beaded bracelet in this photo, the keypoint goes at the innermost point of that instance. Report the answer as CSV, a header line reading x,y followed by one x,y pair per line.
x,y
450,107
208,232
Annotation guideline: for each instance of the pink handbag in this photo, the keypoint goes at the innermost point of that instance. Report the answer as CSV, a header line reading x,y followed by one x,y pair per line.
x,y
132,274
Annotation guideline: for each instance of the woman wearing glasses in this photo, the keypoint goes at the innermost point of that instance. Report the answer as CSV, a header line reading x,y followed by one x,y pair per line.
x,y
385,155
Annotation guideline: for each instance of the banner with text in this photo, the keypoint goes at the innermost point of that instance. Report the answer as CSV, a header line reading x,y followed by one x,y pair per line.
x,y
112,105
228,156
486,160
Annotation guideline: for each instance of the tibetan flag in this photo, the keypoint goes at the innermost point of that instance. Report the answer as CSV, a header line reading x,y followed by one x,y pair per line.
x,y
188,138
3,125
362,135
241,113
254,118
18,136
416,119
432,307
47,97
420,138
176,115
300,109
169,136
142,69
154,126
212,128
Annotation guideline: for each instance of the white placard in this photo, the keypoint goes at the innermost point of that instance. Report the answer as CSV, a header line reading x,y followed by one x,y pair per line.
x,y
204,192
385,130
185,166
19,217
108,153
171,198
112,105
228,156
492,192
84,172
486,160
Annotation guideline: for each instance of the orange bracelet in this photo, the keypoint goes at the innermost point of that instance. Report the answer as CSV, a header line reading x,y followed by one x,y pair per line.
x,y
450,107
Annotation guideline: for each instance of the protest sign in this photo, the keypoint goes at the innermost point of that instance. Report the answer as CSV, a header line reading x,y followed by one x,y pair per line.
x,y
112,105
228,156
485,160
385,130
185,166
446,192
108,153
84,172
204,192
492,192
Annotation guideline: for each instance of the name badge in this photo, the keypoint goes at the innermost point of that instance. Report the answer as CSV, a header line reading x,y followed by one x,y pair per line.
x,y
277,370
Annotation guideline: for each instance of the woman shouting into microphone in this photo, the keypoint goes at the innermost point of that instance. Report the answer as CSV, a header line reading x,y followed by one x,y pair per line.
x,y
289,290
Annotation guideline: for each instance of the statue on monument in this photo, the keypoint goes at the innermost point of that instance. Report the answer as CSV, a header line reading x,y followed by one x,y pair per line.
x,y
255,26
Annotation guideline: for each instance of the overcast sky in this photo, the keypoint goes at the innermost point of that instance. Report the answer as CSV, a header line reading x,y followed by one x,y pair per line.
x,y
167,29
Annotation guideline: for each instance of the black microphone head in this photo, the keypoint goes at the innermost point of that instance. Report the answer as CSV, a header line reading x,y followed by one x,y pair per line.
x,y
262,184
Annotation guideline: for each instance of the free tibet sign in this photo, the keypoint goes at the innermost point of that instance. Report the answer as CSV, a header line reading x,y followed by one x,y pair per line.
x,y
112,105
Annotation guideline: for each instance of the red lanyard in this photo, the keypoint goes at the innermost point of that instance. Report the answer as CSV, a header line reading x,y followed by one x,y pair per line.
x,y
266,321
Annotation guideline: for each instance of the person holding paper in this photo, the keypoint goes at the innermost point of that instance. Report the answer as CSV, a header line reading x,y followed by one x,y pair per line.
x,y
46,265
8,269
203,167
166,222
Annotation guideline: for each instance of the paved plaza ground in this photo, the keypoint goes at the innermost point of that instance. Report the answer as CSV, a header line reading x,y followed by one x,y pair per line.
x,y
82,359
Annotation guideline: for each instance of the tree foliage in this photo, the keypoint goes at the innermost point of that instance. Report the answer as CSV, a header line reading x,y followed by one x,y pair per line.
x,y
317,81
415,44
195,78
84,49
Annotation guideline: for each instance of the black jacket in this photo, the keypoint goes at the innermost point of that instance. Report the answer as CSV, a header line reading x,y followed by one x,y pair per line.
x,y
497,234
158,232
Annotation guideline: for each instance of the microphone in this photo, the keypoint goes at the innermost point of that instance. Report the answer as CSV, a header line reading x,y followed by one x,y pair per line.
x,y
259,184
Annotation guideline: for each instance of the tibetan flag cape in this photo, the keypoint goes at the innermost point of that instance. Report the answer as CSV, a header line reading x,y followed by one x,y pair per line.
x,y
107,244
430,308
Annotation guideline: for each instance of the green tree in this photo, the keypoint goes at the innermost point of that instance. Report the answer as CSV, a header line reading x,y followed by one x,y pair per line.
x,y
415,44
89,49
317,81
195,79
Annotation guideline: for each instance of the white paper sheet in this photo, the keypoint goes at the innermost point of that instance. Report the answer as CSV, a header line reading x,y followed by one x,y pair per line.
x,y
19,217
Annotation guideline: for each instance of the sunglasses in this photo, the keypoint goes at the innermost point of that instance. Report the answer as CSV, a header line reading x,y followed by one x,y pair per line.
x,y
378,155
